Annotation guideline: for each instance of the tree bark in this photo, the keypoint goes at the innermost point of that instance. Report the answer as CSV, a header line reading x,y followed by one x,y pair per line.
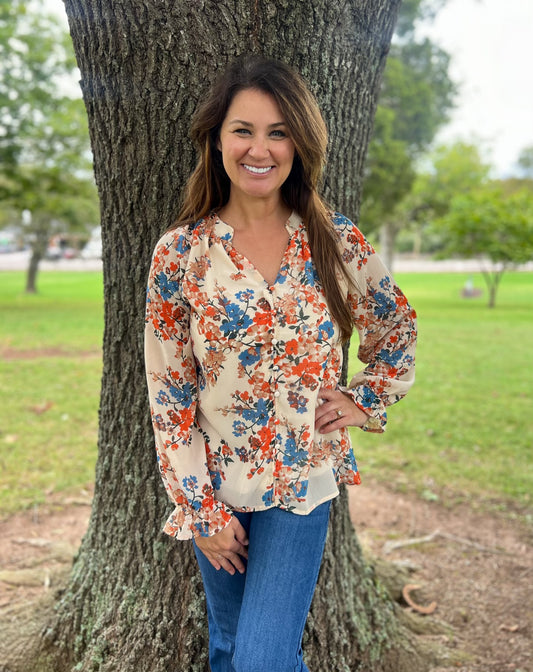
x,y
134,602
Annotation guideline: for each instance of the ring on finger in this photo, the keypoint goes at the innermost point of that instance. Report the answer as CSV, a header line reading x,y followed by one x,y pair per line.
x,y
339,413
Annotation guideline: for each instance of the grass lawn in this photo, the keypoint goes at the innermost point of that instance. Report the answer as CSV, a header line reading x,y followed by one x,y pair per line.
x,y
464,431
50,367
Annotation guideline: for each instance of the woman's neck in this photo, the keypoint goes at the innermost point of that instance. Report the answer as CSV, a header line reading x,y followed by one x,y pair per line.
x,y
254,213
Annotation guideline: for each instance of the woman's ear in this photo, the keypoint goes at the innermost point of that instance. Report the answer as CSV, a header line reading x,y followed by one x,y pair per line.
x,y
218,144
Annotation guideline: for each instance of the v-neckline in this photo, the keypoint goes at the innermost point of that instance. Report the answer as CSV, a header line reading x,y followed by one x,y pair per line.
x,y
235,255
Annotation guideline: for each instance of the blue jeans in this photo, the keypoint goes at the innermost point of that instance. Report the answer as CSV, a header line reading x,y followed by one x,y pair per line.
x,y
257,619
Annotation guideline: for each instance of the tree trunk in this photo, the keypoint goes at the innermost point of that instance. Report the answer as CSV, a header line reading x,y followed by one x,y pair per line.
x,y
492,279
387,243
41,231
31,273
134,602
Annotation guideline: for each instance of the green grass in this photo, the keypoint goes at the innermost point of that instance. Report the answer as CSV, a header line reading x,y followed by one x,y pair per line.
x,y
67,312
464,431
51,345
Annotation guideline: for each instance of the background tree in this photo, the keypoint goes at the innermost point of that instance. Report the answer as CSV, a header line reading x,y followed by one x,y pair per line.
x,y
490,225
525,162
45,161
134,600
449,170
417,95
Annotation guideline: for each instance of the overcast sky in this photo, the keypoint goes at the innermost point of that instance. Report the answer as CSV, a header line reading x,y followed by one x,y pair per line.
x,y
490,44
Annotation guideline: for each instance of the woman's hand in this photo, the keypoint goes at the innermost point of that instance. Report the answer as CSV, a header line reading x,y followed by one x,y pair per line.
x,y
223,549
337,410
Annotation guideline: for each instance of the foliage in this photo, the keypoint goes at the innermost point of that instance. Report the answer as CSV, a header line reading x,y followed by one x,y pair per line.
x,y
525,162
455,433
415,99
33,57
45,162
488,224
389,157
451,169
455,169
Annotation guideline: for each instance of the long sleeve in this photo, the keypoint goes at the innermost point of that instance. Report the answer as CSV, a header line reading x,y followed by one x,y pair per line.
x,y
386,325
172,387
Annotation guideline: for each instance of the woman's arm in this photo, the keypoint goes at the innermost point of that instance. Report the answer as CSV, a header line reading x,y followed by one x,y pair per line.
x,y
386,325
172,389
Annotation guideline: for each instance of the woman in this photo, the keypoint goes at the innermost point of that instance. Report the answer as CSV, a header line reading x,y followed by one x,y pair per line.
x,y
250,299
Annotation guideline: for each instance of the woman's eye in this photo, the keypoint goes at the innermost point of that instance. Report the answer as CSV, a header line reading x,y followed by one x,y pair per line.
x,y
279,134
242,131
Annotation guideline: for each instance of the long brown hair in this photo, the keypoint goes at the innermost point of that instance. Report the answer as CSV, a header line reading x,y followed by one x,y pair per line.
x,y
208,188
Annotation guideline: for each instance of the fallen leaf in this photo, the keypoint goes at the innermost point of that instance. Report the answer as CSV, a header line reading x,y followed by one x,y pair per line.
x,y
41,408
509,628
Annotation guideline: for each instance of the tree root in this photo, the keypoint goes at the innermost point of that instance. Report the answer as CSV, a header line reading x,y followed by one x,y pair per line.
x,y
390,546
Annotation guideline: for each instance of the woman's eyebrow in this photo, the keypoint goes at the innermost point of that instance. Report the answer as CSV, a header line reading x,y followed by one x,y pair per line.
x,y
241,122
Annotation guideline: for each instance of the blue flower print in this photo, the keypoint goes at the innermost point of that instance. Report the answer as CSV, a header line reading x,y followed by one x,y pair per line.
x,y
384,304
369,398
390,357
167,287
300,488
326,330
250,356
309,273
239,428
245,295
257,415
268,497
162,398
292,454
237,319
190,483
182,395
182,245
216,479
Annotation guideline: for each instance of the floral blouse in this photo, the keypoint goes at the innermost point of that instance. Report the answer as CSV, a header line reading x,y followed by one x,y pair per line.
x,y
234,367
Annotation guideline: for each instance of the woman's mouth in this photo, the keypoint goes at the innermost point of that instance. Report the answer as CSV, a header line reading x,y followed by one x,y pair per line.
x,y
257,170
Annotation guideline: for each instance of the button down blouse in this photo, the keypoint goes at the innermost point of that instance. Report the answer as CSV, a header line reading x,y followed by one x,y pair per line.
x,y
234,367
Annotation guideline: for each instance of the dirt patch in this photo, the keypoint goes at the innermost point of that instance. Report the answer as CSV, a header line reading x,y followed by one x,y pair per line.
x,y
39,544
9,354
476,566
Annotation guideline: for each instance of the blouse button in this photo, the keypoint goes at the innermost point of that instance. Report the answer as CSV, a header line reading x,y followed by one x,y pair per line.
x,y
277,393
274,341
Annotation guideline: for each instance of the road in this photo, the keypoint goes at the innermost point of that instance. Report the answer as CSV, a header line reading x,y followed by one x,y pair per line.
x,y
18,261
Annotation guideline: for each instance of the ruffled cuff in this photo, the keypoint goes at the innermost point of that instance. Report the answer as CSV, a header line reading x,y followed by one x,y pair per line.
x,y
367,400
186,523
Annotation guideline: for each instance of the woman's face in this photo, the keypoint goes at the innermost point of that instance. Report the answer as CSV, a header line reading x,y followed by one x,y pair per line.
x,y
257,151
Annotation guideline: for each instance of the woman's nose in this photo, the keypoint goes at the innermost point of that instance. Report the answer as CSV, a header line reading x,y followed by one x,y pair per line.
x,y
259,147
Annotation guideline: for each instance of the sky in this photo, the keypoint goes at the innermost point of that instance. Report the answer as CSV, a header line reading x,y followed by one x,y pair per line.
x,y
490,45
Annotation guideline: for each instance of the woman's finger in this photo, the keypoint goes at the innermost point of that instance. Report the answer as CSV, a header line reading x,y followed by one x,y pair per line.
x,y
239,531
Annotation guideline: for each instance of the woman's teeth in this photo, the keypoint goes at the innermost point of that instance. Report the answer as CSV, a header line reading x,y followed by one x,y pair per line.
x,y
259,171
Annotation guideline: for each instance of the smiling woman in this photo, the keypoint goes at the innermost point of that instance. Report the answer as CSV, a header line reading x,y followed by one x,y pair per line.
x,y
257,152
244,359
